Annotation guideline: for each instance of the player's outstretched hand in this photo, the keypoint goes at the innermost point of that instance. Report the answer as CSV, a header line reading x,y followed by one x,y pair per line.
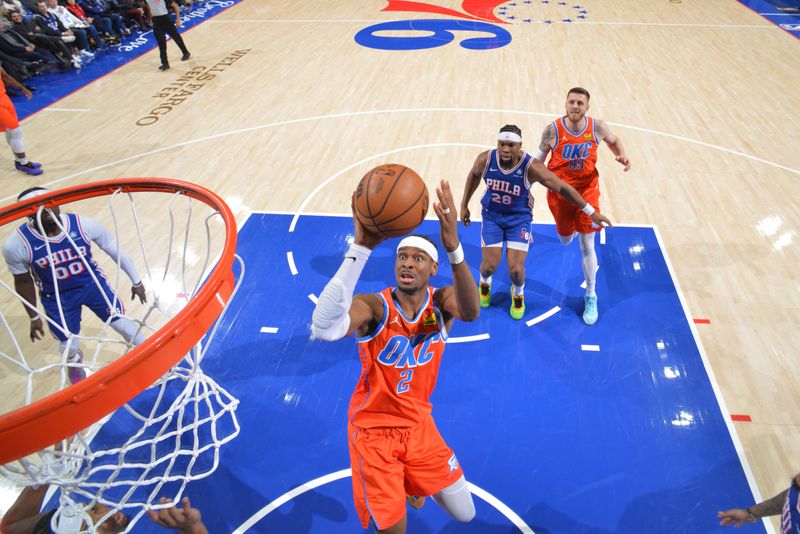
x,y
600,220
138,291
625,162
187,519
37,329
445,209
363,237
465,215
735,517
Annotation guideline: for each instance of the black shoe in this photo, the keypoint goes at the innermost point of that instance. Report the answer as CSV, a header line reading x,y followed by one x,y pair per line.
x,y
186,56
163,67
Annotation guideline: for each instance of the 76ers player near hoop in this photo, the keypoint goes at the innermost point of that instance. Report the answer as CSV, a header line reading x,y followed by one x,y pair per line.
x,y
56,249
507,210
573,140
395,449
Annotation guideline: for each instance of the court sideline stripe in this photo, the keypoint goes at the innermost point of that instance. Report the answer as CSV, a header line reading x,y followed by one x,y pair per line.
x,y
377,112
726,415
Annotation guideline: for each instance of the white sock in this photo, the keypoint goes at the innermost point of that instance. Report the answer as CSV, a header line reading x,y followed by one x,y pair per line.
x,y
518,291
589,262
22,161
487,280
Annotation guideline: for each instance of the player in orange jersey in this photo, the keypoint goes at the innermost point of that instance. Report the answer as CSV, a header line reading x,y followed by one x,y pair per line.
x,y
10,125
573,140
395,449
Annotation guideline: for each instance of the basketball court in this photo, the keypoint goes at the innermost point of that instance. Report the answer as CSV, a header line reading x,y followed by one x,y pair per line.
x,y
676,404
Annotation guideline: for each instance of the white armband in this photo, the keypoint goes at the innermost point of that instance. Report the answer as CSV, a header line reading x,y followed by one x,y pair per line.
x,y
456,256
331,318
588,209
541,156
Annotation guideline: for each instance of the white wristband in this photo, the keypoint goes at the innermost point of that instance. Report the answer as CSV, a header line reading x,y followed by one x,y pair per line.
x,y
588,209
456,256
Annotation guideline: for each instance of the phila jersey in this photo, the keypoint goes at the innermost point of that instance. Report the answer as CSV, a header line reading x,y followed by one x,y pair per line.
x,y
574,157
507,191
64,261
399,366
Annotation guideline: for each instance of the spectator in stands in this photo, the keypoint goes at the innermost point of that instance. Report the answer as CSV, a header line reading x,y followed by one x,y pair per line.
x,y
99,8
101,24
7,6
31,33
53,26
73,23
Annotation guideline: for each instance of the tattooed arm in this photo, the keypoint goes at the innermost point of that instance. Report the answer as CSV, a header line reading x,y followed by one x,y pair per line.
x,y
547,143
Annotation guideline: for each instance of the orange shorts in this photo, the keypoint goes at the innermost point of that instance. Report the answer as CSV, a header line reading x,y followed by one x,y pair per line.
x,y
390,463
570,219
8,115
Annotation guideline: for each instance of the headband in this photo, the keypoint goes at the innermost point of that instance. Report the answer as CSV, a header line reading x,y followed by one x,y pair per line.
x,y
509,136
420,243
32,194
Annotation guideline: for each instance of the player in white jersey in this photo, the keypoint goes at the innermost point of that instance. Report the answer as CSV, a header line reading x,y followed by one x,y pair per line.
x,y
54,253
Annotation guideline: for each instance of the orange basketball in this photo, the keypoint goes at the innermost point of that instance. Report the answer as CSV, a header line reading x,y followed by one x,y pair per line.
x,y
391,199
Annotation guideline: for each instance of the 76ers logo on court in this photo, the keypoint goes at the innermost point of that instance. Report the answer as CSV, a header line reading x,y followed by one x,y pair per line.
x,y
477,17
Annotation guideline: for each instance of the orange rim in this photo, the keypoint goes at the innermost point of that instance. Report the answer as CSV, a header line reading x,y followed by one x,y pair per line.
x,y
67,412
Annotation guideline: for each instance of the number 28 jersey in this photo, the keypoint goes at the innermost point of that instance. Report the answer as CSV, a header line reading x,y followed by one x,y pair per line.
x,y
507,190
400,363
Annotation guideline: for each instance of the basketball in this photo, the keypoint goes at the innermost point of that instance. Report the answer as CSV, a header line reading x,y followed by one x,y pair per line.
x,y
391,199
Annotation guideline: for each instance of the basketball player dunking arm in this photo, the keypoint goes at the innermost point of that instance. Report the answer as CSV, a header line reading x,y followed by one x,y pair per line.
x,y
574,140
47,252
507,210
395,449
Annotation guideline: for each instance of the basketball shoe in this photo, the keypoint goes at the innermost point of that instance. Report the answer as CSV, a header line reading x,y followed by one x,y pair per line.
x,y
415,502
590,310
517,306
485,292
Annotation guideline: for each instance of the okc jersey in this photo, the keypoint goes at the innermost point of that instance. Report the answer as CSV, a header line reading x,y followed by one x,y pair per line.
x,y
400,364
507,191
63,260
574,158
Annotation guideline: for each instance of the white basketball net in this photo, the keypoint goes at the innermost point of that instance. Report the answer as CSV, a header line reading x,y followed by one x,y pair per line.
x,y
170,434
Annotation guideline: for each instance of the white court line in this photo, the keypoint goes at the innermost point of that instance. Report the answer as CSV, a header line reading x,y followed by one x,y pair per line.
x,y
549,313
292,21
386,111
667,24
591,348
290,259
75,110
467,339
780,14
356,164
268,330
490,499
726,415
313,298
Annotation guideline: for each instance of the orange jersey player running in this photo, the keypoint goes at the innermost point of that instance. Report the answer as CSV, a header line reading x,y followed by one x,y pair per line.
x,y
574,140
10,125
396,453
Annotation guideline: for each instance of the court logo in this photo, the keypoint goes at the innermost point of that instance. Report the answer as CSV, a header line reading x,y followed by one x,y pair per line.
x,y
475,17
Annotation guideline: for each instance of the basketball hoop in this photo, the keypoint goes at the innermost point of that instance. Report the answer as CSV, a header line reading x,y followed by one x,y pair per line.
x,y
181,403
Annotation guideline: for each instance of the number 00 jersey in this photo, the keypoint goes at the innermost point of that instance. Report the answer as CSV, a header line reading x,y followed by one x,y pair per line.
x,y
399,365
507,190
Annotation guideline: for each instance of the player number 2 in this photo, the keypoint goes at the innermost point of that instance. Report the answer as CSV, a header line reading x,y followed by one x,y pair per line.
x,y
501,199
405,381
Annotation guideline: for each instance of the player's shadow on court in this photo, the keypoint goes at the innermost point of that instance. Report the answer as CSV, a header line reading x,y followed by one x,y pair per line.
x,y
299,516
297,356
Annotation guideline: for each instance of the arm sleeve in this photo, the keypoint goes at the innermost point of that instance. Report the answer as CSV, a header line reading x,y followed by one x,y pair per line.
x,y
94,231
16,255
